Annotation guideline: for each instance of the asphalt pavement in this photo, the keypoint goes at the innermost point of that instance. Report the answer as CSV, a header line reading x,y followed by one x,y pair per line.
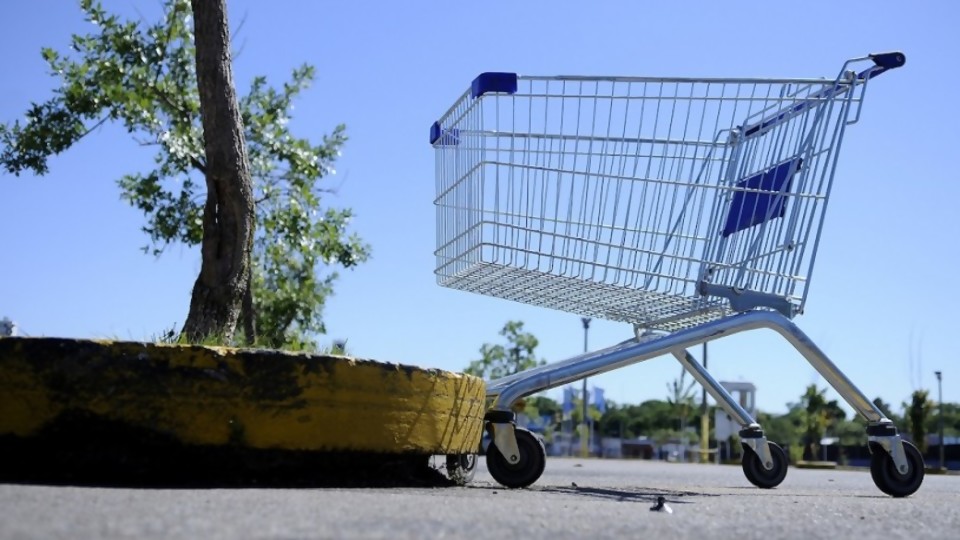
x,y
575,498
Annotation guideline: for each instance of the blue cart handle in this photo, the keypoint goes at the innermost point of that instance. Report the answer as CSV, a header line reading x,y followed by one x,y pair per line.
x,y
883,62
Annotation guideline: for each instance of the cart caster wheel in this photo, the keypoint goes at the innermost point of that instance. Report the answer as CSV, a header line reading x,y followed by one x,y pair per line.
x,y
461,468
533,459
888,478
757,474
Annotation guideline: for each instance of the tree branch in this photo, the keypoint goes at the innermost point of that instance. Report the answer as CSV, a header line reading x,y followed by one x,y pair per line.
x,y
142,142
163,53
197,164
236,33
91,128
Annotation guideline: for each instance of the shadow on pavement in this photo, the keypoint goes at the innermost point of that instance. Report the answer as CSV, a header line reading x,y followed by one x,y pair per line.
x,y
623,495
80,451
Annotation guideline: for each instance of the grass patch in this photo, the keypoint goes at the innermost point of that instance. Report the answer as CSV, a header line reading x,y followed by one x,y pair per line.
x,y
172,336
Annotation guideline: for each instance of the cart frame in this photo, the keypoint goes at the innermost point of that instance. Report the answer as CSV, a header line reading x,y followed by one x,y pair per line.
x,y
762,183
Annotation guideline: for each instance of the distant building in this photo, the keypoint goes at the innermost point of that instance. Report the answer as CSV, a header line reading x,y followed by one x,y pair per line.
x,y
8,328
745,393
639,448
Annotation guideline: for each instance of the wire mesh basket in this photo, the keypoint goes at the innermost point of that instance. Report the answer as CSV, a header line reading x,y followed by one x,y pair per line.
x,y
662,202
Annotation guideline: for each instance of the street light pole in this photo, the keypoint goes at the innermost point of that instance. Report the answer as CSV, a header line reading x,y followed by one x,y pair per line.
x,y
584,431
704,418
939,375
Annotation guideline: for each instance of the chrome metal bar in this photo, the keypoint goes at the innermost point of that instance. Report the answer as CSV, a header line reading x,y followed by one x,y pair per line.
x,y
718,392
893,445
496,385
828,370
622,355
657,80
505,437
587,365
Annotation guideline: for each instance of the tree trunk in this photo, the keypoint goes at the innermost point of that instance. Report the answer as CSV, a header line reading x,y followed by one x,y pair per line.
x,y
228,215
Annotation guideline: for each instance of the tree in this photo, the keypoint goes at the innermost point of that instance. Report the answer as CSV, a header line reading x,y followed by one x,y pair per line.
x,y
649,417
785,430
814,404
144,77
576,414
681,398
613,421
543,406
850,432
919,415
498,361
951,420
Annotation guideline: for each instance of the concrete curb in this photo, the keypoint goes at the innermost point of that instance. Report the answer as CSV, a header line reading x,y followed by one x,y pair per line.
x,y
260,399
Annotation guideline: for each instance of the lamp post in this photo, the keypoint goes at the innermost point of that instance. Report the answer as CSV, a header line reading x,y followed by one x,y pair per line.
x,y
704,418
584,430
939,375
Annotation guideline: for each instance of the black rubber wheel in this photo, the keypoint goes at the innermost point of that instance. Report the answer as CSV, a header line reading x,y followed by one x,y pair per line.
x,y
533,459
461,468
757,474
888,478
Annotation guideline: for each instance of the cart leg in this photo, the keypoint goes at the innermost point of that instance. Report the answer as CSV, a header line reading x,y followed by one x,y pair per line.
x,y
718,392
880,429
896,466
764,463
751,434
502,431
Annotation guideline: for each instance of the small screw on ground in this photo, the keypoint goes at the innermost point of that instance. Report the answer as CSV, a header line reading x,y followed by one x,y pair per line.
x,y
661,506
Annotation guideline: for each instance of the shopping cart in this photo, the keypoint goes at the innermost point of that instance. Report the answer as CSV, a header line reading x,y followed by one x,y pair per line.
x,y
689,208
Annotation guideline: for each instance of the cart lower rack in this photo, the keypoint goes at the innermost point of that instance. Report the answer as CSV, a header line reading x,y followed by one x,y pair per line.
x,y
688,208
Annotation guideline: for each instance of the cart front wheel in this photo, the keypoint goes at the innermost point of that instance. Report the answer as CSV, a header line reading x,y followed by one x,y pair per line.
x,y
759,476
461,468
888,478
533,459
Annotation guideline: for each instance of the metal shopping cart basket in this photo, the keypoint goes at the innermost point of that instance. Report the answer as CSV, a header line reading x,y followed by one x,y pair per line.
x,y
689,208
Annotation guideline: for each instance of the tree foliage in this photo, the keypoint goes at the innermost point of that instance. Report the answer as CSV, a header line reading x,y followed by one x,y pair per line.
x,y
819,417
951,420
500,360
681,397
918,415
142,77
537,406
785,429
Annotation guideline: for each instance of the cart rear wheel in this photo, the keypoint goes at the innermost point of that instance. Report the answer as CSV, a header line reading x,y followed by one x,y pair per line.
x,y
888,478
757,474
461,468
533,459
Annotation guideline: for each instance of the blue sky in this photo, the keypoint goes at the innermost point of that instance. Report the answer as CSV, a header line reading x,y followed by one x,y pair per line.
x,y
882,301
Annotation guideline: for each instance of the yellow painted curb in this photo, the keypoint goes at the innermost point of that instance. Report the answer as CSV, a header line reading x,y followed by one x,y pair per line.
x,y
248,398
